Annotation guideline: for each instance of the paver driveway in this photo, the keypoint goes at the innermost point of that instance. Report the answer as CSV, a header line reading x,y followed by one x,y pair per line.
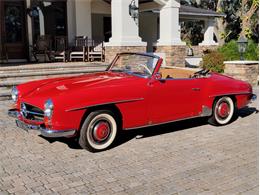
x,y
189,157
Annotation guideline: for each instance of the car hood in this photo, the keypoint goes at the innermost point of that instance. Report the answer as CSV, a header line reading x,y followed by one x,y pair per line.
x,y
63,87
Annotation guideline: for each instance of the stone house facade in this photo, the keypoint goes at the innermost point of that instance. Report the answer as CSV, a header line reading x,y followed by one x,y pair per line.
x,y
157,28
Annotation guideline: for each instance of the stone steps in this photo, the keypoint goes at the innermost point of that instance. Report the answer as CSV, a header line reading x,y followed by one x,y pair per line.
x,y
31,68
49,65
45,73
5,94
14,75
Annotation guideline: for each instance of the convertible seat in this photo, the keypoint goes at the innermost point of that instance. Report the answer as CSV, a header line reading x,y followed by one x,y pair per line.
x,y
176,73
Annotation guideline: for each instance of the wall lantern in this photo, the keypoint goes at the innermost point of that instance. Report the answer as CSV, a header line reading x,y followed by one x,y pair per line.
x,y
134,11
32,12
242,46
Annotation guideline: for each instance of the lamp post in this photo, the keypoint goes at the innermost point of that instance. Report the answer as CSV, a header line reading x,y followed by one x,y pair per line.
x,y
134,11
242,45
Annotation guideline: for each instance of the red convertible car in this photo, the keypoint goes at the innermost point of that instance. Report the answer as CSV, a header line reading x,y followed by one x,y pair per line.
x,y
135,91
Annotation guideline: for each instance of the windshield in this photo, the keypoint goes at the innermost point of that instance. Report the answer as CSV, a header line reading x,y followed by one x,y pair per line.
x,y
136,64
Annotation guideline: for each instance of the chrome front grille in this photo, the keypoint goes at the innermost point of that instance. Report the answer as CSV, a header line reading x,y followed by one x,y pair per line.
x,y
31,112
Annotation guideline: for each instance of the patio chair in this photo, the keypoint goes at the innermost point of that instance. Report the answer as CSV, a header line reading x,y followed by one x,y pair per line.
x,y
42,47
60,48
96,51
79,51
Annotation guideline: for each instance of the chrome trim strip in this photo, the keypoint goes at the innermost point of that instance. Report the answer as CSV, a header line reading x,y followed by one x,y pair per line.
x,y
107,103
57,133
35,113
32,106
46,132
150,125
25,111
16,114
238,93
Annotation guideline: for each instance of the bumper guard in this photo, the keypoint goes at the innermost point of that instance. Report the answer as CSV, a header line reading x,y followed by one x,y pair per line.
x,y
43,131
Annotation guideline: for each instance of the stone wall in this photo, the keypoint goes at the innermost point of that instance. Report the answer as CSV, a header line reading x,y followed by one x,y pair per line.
x,y
174,55
111,51
200,50
243,70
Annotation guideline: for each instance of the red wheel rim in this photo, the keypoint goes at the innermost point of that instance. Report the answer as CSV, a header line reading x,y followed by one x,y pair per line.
x,y
101,131
223,110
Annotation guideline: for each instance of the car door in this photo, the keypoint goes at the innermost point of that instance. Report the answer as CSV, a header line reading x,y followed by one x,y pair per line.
x,y
173,99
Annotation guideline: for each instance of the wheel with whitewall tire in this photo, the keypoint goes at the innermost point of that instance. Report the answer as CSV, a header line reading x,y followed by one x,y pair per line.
x,y
223,111
98,131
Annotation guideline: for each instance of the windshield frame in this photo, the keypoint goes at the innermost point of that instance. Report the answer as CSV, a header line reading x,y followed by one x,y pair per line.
x,y
159,62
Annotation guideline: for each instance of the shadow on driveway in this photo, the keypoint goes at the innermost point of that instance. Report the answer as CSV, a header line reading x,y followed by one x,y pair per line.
x,y
141,133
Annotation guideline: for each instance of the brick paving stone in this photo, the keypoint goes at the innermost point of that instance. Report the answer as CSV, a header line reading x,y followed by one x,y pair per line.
x,y
60,188
38,189
75,184
117,189
47,192
188,157
16,189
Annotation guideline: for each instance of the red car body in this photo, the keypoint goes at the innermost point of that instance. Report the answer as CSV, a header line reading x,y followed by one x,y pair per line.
x,y
139,101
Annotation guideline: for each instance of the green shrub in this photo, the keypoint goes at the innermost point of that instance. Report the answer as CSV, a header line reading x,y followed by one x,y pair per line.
x,y
230,51
252,52
214,61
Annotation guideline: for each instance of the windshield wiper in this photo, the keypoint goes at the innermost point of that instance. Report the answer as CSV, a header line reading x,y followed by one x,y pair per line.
x,y
139,74
117,70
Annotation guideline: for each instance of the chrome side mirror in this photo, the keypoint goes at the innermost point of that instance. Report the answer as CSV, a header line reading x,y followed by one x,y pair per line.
x,y
158,76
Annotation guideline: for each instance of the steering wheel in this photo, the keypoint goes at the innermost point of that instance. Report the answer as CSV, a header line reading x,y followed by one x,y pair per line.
x,y
202,72
146,68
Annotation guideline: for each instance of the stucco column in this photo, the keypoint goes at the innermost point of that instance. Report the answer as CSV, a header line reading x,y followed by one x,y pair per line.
x,y
41,21
125,32
209,33
170,31
71,21
170,44
29,27
83,18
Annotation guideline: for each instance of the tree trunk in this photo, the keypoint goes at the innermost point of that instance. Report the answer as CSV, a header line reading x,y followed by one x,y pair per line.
x,y
219,29
246,16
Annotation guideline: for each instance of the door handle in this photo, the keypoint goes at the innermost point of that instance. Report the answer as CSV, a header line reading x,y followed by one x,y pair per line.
x,y
195,89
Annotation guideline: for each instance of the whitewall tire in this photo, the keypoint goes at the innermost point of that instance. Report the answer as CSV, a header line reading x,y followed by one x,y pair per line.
x,y
223,111
98,131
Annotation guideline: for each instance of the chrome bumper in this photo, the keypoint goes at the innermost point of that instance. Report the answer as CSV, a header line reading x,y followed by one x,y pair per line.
x,y
43,131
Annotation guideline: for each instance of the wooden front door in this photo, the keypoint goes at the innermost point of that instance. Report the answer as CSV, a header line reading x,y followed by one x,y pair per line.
x,y
13,31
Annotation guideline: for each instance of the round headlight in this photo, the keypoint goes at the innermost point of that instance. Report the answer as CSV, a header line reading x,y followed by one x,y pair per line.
x,y
14,94
48,108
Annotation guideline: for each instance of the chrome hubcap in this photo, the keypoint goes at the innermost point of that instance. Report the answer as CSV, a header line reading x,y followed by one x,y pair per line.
x,y
223,110
101,131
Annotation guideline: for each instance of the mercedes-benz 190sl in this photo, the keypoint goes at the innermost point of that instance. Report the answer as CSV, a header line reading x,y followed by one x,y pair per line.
x,y
135,91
